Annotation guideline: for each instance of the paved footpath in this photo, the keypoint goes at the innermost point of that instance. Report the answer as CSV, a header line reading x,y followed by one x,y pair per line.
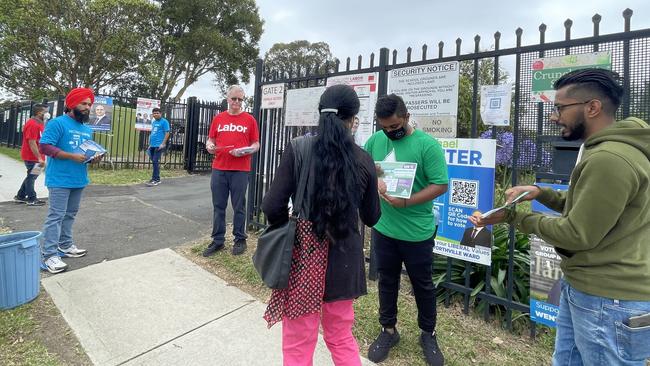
x,y
12,173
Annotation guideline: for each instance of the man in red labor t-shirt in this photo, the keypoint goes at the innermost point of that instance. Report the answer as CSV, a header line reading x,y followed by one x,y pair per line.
x,y
34,161
233,138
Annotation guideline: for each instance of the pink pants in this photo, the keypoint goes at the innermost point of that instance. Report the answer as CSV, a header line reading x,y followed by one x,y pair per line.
x,y
299,336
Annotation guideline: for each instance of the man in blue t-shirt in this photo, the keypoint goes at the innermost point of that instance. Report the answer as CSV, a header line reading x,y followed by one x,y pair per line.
x,y
66,176
157,143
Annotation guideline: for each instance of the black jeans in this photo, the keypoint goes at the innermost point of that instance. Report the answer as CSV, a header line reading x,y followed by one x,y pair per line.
x,y
27,188
418,259
222,184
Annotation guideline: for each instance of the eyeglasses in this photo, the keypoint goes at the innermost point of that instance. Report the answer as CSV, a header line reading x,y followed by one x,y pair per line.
x,y
237,100
557,108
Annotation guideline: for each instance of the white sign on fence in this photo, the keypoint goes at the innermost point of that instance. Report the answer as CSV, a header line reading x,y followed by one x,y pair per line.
x,y
431,95
272,96
302,106
495,104
366,87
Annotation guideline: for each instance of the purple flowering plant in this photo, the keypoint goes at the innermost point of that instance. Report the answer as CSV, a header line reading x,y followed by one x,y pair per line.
x,y
504,158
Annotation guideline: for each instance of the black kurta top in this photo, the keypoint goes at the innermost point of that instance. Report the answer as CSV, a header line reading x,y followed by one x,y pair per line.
x,y
345,277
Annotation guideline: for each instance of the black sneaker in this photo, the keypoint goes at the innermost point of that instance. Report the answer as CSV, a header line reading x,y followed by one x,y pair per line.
x,y
36,202
212,248
379,349
239,247
20,199
432,353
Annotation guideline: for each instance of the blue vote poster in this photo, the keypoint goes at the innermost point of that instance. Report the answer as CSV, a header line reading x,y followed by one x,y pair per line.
x,y
471,166
545,272
101,114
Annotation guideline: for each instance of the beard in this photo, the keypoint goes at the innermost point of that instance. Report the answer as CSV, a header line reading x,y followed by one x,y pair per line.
x,y
578,130
81,117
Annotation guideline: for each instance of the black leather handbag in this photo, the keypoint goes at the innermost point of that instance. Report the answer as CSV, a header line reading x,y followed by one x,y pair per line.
x,y
272,258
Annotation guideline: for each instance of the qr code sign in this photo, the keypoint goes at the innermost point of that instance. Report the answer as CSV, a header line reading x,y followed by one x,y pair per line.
x,y
464,193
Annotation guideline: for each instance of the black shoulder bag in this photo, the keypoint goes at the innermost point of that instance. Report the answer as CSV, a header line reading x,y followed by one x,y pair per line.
x,y
272,258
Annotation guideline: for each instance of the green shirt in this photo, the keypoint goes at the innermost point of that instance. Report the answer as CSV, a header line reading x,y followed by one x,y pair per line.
x,y
414,223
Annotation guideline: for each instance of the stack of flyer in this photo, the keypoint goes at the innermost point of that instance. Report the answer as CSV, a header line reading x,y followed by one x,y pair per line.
x,y
91,149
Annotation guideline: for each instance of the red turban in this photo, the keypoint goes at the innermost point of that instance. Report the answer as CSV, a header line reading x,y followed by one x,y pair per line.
x,y
78,95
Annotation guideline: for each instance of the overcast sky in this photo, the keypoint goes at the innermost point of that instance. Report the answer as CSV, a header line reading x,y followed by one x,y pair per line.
x,y
361,27
353,28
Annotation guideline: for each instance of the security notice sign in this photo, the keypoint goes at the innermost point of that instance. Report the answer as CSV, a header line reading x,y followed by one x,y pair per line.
x,y
431,96
302,106
272,96
366,87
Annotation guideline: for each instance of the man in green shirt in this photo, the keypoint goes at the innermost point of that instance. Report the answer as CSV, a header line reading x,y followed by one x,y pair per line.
x,y
603,235
405,232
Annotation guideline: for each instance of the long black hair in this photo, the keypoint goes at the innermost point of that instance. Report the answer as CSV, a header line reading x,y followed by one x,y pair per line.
x,y
337,192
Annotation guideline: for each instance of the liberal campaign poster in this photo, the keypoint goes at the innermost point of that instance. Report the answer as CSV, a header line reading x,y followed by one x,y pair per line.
x,y
471,165
545,272
143,116
101,114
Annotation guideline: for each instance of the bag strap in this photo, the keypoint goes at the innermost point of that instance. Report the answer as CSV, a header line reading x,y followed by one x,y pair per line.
x,y
302,152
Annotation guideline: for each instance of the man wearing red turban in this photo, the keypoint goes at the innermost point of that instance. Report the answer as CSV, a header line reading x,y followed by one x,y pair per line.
x,y
83,98
66,177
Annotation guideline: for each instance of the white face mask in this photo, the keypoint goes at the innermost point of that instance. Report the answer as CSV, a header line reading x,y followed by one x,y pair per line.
x,y
47,116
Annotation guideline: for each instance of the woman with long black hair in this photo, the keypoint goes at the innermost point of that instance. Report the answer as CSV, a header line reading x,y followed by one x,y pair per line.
x,y
327,269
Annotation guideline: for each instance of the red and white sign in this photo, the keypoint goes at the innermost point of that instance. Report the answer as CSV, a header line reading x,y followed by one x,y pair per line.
x,y
366,87
272,96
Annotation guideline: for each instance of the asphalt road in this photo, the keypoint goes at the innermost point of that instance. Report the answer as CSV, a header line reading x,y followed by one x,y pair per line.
x,y
121,221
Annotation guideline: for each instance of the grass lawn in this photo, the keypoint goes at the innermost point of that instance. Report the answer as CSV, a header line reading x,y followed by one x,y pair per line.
x,y
10,152
464,339
15,349
120,177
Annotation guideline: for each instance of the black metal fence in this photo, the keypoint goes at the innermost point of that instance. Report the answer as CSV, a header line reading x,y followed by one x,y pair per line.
x,y
534,138
189,124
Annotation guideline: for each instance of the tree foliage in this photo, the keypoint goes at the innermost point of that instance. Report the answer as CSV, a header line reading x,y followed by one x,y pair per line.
x,y
133,46
196,37
48,47
298,58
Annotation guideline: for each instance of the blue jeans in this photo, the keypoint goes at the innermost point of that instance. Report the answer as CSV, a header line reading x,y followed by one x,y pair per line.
x,y
57,231
154,154
27,188
592,330
222,184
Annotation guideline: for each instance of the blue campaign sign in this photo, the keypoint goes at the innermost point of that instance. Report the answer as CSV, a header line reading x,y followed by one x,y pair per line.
x,y
543,312
471,166
545,272
101,113
540,208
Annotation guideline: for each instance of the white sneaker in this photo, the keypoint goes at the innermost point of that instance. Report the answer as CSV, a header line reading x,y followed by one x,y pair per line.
x,y
72,252
54,264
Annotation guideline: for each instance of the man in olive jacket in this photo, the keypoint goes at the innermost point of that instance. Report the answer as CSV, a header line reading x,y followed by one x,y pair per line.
x,y
603,235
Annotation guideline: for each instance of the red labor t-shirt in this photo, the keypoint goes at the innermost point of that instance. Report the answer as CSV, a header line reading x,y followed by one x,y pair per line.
x,y
31,131
232,132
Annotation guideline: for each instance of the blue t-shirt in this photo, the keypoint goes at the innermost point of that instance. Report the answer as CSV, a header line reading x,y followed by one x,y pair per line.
x,y
67,134
158,129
